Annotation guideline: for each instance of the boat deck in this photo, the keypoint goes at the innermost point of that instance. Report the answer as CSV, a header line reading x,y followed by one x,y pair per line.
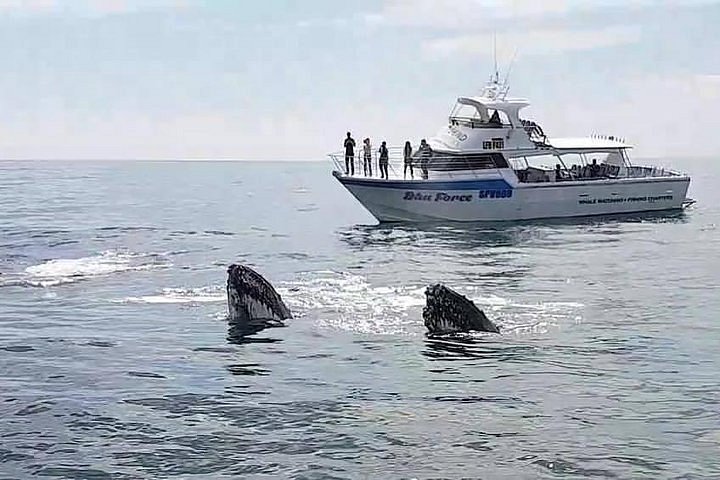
x,y
476,166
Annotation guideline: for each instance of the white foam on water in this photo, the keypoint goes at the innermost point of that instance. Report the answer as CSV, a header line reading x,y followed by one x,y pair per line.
x,y
69,270
347,293
181,295
349,302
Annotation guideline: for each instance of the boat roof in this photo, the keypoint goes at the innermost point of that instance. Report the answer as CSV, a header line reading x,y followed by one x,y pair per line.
x,y
486,102
492,101
587,143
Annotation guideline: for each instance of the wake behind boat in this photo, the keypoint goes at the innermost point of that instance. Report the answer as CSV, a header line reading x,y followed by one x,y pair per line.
x,y
488,164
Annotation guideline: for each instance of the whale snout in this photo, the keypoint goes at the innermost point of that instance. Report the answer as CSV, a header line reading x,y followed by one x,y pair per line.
x,y
252,298
447,312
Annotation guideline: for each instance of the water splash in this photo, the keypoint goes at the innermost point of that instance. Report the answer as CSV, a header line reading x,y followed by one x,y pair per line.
x,y
181,296
70,270
348,302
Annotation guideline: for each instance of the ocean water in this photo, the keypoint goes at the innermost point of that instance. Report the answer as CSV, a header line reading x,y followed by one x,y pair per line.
x,y
117,362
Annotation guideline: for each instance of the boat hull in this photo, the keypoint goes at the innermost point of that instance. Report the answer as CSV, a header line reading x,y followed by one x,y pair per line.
x,y
496,199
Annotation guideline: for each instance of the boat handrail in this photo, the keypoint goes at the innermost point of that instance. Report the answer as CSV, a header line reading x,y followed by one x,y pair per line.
x,y
527,125
454,166
446,166
475,122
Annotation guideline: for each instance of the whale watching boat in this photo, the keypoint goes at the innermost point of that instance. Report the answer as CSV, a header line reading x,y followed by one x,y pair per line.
x,y
489,164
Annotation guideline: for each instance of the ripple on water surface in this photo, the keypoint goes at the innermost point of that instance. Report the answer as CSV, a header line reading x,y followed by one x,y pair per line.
x,y
116,360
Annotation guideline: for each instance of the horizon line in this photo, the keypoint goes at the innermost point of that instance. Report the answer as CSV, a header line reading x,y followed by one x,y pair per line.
x,y
128,159
266,160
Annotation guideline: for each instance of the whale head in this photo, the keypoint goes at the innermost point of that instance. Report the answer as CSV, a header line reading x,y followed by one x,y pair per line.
x,y
251,298
447,312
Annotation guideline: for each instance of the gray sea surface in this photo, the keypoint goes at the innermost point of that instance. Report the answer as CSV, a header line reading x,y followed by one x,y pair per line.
x,y
117,362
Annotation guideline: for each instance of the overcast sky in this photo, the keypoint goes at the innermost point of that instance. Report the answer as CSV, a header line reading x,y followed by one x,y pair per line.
x,y
274,79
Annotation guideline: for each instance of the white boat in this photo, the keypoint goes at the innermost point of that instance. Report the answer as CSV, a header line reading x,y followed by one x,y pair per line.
x,y
488,164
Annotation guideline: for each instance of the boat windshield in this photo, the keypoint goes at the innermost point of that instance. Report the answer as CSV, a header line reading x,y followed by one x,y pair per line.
x,y
469,116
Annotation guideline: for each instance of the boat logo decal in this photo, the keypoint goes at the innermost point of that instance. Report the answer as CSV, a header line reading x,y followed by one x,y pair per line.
x,y
457,133
644,199
449,197
504,193
437,197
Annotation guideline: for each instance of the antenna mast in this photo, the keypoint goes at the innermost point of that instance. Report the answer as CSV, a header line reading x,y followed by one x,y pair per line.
x,y
507,74
497,76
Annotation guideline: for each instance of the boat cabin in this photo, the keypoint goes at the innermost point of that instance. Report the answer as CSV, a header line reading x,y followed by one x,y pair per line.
x,y
488,122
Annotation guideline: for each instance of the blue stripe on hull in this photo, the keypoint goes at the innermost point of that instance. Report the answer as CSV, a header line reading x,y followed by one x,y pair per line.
x,y
495,184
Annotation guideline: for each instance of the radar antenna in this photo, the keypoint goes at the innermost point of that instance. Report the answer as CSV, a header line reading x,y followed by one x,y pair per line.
x,y
494,88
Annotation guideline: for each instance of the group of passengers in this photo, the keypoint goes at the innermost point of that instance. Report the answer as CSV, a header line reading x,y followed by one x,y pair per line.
x,y
582,172
424,153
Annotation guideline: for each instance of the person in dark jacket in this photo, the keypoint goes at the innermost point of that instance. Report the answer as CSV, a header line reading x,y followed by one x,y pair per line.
x,y
383,161
407,155
349,155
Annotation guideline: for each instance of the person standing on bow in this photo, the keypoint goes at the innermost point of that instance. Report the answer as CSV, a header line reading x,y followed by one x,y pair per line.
x,y
367,157
407,154
383,161
349,155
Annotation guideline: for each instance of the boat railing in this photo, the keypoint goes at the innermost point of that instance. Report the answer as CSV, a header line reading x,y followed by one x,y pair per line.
x,y
436,166
461,166
648,172
587,173
474,122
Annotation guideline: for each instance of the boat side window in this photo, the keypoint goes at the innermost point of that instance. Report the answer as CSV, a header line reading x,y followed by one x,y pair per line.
x,y
467,162
498,118
573,163
487,145
499,160
479,162
539,168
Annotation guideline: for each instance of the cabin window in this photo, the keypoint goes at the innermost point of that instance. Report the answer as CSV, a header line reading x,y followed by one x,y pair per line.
x,y
498,143
499,160
497,118
572,161
487,145
545,162
478,162
468,162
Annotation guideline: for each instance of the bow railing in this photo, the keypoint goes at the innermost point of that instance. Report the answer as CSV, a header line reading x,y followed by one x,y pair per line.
x,y
418,166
